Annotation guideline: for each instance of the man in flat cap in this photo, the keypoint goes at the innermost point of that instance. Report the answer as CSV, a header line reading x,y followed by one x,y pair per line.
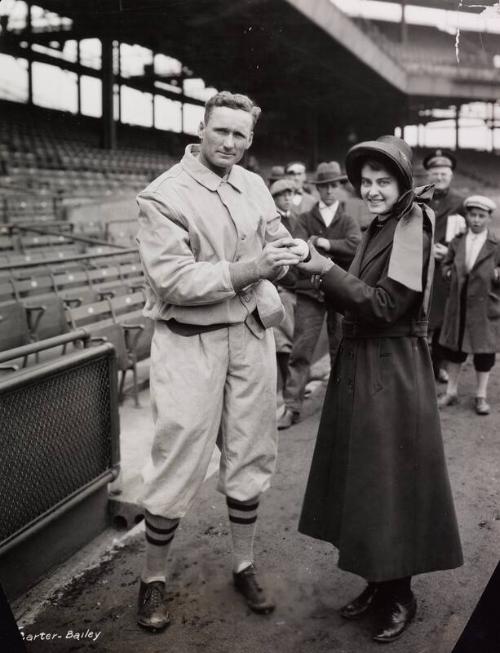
x,y
303,200
334,233
211,242
447,204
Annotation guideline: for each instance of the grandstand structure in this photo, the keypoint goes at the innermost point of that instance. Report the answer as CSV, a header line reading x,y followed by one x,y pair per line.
x,y
324,81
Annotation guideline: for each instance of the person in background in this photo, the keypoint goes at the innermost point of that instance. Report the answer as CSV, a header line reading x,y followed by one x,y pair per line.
x,y
447,204
378,487
336,234
277,172
303,201
282,191
471,322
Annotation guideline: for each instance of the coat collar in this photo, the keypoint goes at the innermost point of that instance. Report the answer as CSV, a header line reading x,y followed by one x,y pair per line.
x,y
204,175
316,213
384,240
490,245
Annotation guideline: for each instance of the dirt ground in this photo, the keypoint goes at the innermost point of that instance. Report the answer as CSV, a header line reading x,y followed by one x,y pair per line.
x,y
308,587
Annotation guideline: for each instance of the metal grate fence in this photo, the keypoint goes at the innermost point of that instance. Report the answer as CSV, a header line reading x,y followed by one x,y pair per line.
x,y
58,433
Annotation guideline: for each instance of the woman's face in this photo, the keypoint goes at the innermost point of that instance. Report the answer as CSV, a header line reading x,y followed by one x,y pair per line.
x,y
379,189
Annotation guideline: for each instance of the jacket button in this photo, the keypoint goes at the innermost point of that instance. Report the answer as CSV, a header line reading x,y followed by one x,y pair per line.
x,y
243,236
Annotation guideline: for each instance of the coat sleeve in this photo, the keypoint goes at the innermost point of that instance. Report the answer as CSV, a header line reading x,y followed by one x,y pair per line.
x,y
169,263
384,303
345,247
447,263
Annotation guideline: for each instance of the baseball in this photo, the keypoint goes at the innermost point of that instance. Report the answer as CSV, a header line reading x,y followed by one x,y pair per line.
x,y
300,247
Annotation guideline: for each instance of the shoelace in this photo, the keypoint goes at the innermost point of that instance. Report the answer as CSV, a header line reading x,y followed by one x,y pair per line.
x,y
153,596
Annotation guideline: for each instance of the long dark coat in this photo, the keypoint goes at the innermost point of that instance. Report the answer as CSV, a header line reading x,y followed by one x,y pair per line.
x,y
378,487
443,205
482,317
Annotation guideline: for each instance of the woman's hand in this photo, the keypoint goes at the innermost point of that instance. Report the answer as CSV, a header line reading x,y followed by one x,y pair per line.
x,y
318,264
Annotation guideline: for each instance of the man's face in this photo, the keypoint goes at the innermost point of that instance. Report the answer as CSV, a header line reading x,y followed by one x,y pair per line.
x,y
379,189
329,192
298,173
477,219
440,176
284,200
225,138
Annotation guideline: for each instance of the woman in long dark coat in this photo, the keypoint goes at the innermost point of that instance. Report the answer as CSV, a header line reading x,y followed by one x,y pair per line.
x,y
378,487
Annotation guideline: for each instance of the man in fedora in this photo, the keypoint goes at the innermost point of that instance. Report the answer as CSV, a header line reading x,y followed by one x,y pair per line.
x,y
334,233
277,172
303,201
447,204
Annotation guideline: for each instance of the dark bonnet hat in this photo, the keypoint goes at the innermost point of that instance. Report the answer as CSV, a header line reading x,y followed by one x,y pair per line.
x,y
388,149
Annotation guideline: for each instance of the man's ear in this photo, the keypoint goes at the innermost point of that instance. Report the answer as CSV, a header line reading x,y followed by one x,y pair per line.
x,y
250,141
201,130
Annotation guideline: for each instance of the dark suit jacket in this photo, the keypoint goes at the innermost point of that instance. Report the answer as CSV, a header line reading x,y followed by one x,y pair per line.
x,y
343,234
443,205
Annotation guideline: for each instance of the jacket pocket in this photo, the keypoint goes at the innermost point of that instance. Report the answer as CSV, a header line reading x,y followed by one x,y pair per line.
x,y
379,362
493,311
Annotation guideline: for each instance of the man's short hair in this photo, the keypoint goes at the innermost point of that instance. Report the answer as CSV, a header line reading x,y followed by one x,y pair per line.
x,y
233,101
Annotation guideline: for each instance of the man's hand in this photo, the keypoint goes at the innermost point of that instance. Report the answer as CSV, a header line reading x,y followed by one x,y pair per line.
x,y
440,251
276,255
318,264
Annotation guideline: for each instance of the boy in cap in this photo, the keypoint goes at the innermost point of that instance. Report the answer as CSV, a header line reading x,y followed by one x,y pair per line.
x,y
447,205
472,316
282,191
336,234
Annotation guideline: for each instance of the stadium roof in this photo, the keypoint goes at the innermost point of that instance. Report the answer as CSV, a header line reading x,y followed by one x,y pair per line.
x,y
298,58
475,6
293,56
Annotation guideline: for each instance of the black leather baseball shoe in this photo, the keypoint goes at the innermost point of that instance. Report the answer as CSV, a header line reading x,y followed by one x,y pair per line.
x,y
152,612
246,583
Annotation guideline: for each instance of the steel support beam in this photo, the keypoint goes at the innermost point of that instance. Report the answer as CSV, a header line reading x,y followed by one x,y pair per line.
x,y
108,119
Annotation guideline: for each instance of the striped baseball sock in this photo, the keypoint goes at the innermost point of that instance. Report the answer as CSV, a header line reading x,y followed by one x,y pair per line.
x,y
160,532
243,518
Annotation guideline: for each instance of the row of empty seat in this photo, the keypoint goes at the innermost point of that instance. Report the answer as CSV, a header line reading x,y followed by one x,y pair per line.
x,y
430,45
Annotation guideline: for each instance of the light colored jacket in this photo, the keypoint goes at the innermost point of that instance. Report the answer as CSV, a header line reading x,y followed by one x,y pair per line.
x,y
192,225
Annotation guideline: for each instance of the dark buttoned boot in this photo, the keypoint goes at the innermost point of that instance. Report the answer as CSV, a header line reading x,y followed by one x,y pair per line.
x,y
362,603
398,607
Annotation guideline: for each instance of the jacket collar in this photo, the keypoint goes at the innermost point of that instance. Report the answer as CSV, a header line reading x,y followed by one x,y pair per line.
x,y
316,213
488,248
204,175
